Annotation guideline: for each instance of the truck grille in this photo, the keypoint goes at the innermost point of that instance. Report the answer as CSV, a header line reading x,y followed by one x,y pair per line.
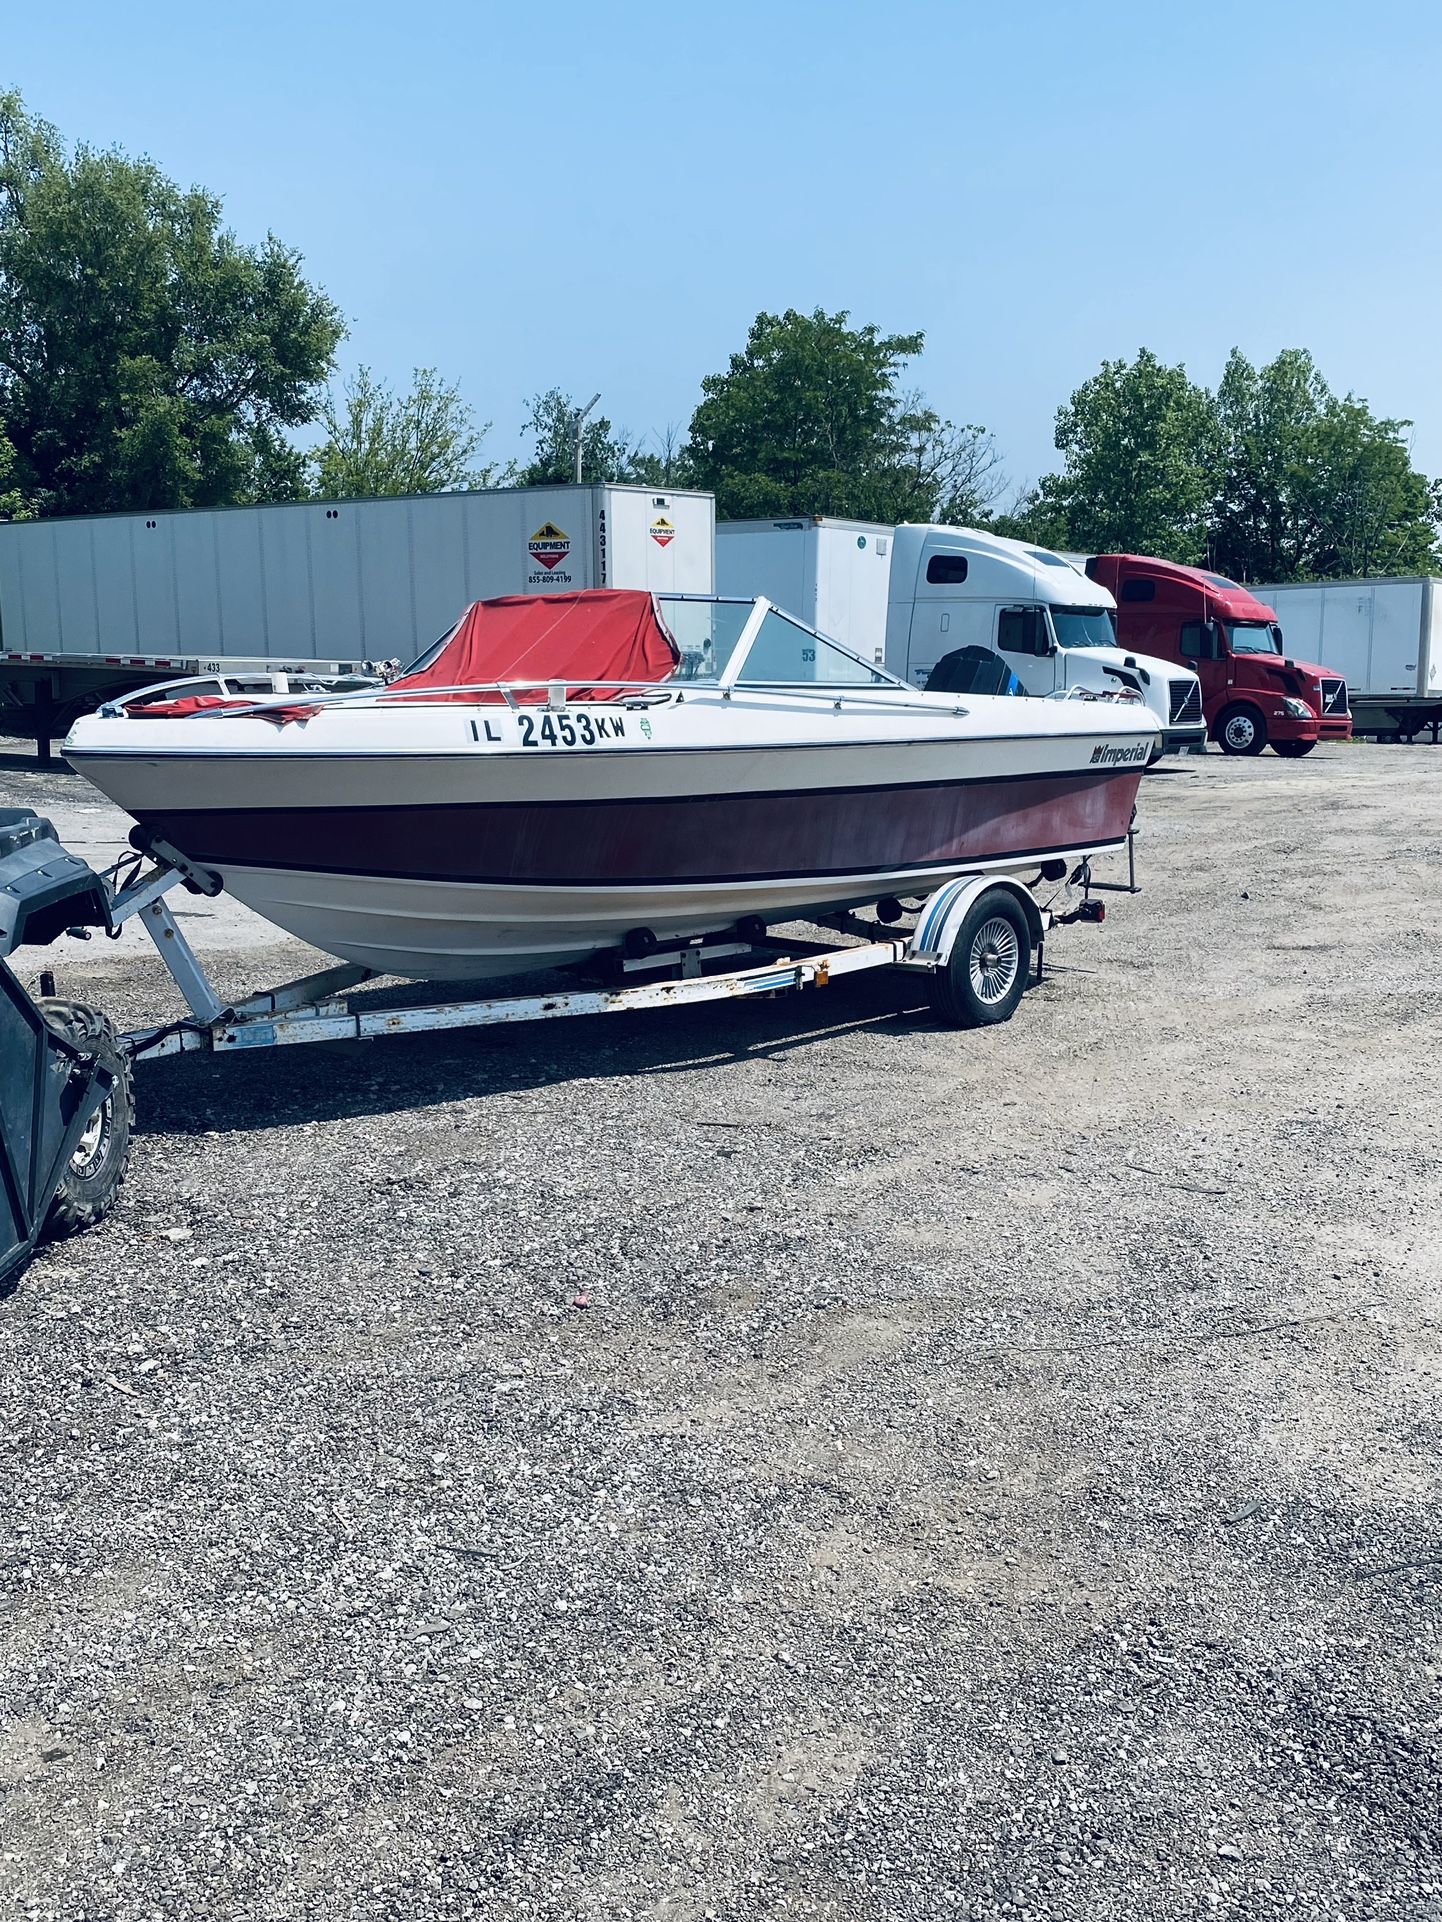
x,y
1334,696
1186,701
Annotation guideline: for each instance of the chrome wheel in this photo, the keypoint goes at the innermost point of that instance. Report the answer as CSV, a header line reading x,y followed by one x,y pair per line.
x,y
1240,732
994,960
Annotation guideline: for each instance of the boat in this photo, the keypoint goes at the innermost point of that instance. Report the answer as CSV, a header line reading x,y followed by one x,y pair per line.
x,y
567,774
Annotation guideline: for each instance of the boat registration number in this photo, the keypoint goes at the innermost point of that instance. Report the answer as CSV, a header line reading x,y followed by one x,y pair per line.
x,y
558,730
570,730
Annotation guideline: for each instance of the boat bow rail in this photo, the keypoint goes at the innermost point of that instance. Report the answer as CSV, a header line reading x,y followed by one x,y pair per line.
x,y
511,693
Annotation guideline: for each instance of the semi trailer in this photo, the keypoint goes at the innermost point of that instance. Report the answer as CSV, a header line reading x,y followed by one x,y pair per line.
x,y
834,574
1383,636
96,606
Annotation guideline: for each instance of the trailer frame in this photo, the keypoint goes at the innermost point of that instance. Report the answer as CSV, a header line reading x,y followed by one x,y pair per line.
x,y
316,1007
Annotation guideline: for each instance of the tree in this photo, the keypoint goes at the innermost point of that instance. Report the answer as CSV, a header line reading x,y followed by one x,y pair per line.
x,y
607,453
1313,486
951,474
1141,447
380,442
809,418
147,357
12,504
1035,515
666,463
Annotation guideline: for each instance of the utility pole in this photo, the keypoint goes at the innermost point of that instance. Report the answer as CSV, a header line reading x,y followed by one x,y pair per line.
x,y
580,418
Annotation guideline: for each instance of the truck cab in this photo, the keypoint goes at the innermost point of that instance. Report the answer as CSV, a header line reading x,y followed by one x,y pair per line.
x,y
1253,695
969,611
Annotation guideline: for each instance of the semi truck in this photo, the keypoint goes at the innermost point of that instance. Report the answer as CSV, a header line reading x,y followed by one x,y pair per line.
x,y
1383,636
96,606
1253,695
964,609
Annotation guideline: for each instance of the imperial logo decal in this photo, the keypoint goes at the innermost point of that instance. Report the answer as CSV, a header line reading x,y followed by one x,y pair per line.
x,y
662,532
548,545
1105,756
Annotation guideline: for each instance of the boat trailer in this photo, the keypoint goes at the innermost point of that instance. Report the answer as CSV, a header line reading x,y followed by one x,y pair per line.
x,y
65,1122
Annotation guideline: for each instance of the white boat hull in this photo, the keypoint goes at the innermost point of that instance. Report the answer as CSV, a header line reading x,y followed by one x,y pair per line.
x,y
447,843
460,932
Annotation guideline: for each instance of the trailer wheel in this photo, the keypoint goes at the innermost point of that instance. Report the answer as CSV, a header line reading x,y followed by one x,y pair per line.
x,y
91,1182
1241,730
985,975
1292,750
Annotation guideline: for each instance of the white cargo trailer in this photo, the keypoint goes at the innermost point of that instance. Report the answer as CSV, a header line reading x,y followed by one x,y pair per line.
x,y
94,606
833,573
1384,636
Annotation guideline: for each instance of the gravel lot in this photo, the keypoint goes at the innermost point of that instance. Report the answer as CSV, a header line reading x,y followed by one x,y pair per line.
x,y
995,1474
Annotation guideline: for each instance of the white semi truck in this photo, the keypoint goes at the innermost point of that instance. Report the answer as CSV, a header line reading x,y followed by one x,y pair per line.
x,y
96,606
980,612
1384,637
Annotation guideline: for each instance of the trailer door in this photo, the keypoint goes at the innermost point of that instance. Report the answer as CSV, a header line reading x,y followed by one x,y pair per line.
x,y
657,539
1395,665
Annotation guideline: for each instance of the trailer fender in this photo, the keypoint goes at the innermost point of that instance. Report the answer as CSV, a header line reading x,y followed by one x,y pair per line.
x,y
942,917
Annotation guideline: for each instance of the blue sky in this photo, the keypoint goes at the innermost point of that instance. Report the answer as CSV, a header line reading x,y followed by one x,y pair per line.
x,y
603,197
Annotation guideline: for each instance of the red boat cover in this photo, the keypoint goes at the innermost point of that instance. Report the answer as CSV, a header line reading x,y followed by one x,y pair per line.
x,y
187,704
584,640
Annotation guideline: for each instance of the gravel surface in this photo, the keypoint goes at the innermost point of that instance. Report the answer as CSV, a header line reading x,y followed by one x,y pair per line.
x,y
783,1460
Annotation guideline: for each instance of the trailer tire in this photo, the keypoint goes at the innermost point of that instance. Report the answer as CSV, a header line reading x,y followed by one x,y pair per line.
x,y
1241,729
1292,750
986,974
91,1181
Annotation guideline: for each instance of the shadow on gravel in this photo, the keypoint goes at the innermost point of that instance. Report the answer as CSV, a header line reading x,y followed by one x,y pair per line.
x,y
328,1081
13,763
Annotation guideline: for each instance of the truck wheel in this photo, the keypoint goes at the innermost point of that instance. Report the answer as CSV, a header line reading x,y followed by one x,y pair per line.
x,y
1241,730
91,1181
1292,750
985,975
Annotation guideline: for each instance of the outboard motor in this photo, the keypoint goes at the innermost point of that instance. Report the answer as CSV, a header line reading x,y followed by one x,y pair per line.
x,y
65,1087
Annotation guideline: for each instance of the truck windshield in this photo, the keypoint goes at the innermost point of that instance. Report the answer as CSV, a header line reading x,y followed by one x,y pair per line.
x,y
1083,627
1252,637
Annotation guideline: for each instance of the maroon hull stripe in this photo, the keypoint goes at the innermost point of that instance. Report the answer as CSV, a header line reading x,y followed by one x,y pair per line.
x,y
687,841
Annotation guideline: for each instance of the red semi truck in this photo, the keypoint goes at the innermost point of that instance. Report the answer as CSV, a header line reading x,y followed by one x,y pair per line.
x,y
1252,695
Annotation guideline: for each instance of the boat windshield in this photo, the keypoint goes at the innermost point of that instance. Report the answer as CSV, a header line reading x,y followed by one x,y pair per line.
x,y
433,652
781,653
706,633
784,653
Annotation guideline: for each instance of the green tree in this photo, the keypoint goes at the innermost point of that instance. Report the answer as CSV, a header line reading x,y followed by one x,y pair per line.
x,y
1313,486
12,503
147,357
810,418
1035,515
607,453
666,463
381,442
1141,448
